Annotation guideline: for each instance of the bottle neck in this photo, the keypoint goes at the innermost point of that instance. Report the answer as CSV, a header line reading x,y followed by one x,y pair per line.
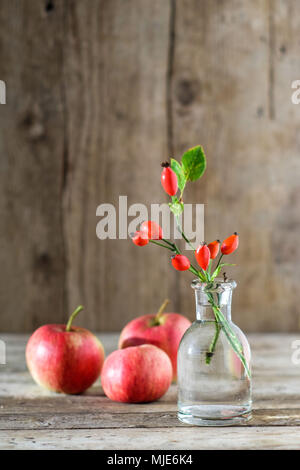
x,y
205,302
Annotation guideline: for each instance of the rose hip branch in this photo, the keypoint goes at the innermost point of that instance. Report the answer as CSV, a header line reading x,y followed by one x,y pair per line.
x,y
175,176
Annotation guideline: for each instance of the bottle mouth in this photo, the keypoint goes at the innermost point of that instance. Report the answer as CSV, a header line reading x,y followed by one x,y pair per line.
x,y
217,285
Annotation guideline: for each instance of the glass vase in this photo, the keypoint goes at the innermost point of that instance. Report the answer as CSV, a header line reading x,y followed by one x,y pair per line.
x,y
214,371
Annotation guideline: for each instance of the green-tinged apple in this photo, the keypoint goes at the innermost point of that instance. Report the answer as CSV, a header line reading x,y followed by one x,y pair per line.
x,y
137,374
164,330
64,358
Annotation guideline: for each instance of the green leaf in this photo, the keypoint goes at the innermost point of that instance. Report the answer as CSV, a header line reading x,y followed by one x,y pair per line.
x,y
177,168
202,277
176,206
216,273
218,269
232,338
193,163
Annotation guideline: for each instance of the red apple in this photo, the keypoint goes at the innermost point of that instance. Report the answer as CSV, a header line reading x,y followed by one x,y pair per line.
x,y
63,358
137,374
164,330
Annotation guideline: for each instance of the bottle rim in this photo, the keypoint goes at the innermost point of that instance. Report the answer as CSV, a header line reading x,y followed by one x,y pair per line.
x,y
217,285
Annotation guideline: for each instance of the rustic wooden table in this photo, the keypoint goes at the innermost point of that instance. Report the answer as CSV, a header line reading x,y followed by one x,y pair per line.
x,y
33,418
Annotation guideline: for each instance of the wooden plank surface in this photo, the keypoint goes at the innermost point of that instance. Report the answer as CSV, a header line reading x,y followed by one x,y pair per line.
x,y
128,439
31,417
98,94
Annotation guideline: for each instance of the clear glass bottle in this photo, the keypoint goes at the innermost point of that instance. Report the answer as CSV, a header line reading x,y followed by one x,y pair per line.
x,y
214,387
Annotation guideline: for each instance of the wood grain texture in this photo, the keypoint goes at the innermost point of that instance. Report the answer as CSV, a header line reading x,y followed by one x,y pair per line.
x,y
135,439
104,420
34,418
231,87
116,66
31,153
99,92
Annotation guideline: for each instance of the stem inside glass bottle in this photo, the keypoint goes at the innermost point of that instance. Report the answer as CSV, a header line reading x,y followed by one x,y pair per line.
x,y
215,298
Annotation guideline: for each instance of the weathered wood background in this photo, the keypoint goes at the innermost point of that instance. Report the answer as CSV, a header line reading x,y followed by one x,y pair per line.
x,y
99,92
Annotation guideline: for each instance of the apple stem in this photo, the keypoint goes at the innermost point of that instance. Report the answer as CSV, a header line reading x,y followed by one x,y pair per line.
x,y
161,309
74,314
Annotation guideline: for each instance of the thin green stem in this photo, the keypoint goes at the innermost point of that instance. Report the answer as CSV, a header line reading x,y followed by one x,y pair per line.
x,y
161,311
161,244
197,271
174,248
183,234
74,314
167,241
221,256
181,193
212,346
194,270
209,266
229,333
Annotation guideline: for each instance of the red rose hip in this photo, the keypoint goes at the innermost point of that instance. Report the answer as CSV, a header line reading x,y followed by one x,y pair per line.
x,y
214,248
181,263
169,179
151,230
230,244
202,255
140,239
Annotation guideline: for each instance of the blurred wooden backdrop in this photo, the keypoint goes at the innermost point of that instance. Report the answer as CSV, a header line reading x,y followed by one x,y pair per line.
x,y
99,92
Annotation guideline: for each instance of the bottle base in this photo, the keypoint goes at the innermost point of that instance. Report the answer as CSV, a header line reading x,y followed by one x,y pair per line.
x,y
214,415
